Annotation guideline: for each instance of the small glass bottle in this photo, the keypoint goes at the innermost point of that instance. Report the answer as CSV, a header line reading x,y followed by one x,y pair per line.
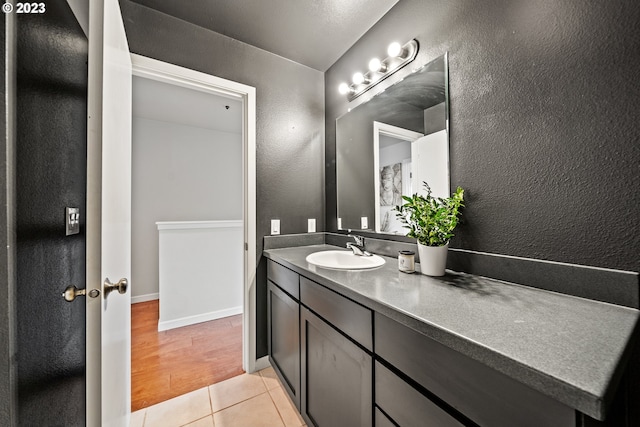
x,y
406,261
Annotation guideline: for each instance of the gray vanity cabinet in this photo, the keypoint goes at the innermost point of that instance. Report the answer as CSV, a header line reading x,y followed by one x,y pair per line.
x,y
283,332
320,345
344,364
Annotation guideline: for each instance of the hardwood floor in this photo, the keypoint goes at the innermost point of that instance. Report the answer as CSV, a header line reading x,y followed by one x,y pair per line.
x,y
171,363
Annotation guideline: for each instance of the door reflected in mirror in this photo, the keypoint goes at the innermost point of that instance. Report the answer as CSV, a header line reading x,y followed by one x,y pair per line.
x,y
392,162
388,146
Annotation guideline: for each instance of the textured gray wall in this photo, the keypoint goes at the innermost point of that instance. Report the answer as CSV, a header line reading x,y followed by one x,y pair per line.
x,y
545,124
5,333
50,171
8,391
545,128
290,123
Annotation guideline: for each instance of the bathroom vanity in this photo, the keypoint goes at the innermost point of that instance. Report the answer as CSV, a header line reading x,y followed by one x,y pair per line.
x,y
381,347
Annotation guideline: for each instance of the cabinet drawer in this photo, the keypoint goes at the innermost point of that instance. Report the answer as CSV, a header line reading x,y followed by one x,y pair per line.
x,y
346,315
482,394
406,405
285,278
382,420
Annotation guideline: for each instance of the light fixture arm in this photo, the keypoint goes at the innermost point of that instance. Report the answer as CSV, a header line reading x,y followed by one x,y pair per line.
x,y
390,64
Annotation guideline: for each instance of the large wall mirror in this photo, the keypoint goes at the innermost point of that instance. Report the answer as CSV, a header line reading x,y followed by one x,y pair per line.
x,y
388,146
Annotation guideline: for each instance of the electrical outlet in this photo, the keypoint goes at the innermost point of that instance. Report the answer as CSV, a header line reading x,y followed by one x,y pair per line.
x,y
364,223
275,227
339,223
311,225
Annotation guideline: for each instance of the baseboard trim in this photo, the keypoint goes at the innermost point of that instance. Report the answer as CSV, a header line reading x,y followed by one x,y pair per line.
x,y
145,298
199,318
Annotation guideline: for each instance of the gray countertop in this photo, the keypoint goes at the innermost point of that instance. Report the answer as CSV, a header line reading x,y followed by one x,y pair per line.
x,y
569,348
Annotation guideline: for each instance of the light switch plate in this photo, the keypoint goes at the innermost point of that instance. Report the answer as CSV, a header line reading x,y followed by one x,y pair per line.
x,y
275,227
311,225
72,221
364,223
339,223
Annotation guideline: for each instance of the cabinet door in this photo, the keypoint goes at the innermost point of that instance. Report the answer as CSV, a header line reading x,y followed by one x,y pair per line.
x,y
336,376
284,339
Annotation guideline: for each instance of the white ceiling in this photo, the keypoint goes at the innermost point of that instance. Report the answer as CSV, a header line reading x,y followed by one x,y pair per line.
x,y
315,33
174,104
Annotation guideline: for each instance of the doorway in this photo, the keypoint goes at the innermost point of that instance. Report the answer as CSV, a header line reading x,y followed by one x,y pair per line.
x,y
392,167
177,143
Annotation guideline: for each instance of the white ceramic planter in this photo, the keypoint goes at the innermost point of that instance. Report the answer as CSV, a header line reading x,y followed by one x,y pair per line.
x,y
433,259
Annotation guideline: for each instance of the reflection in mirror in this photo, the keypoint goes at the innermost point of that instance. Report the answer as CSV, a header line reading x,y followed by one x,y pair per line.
x,y
392,164
388,146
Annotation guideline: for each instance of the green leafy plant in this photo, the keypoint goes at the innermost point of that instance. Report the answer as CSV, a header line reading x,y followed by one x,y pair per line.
x,y
430,219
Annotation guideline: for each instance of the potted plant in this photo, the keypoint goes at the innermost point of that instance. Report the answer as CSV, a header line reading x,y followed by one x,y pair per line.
x,y
431,220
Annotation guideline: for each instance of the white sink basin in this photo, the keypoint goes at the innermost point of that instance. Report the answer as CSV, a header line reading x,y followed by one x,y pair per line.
x,y
344,260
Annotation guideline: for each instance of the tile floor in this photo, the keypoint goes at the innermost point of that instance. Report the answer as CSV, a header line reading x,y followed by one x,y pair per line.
x,y
251,400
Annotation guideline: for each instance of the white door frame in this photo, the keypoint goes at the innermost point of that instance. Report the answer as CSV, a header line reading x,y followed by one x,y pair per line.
x,y
184,77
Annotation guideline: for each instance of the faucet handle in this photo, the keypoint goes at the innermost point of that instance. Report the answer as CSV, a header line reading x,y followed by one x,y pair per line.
x,y
359,239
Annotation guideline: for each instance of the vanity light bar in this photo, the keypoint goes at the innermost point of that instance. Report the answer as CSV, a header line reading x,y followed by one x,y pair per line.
x,y
399,56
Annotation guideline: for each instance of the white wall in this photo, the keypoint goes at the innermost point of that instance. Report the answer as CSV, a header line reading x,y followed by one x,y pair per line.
x,y
200,271
180,173
393,150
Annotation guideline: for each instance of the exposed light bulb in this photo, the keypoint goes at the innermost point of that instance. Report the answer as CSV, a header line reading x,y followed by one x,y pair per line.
x,y
398,56
375,65
344,88
394,49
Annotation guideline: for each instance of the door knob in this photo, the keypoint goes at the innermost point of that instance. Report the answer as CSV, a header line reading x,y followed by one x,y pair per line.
x,y
121,286
72,292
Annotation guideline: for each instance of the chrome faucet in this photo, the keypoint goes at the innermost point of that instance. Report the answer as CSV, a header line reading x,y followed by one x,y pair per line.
x,y
358,246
